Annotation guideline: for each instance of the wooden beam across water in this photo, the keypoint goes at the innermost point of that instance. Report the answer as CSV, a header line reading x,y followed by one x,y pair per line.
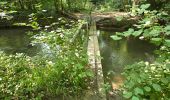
x,y
95,62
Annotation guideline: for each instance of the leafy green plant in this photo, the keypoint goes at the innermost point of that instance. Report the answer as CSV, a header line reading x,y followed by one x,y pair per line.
x,y
60,71
147,81
149,26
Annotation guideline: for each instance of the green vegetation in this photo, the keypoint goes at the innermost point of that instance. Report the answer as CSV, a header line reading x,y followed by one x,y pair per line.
x,y
38,5
62,69
149,80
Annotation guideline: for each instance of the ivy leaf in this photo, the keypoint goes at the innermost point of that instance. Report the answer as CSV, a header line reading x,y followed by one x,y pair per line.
x,y
135,98
127,95
115,37
148,89
138,91
137,33
157,87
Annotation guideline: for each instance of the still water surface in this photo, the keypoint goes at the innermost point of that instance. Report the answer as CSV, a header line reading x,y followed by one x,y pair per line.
x,y
16,40
116,54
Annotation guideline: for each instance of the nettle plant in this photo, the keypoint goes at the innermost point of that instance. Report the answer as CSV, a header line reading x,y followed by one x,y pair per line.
x,y
149,80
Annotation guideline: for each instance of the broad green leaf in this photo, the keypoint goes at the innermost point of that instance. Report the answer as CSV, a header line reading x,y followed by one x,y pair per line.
x,y
144,6
137,33
89,73
156,41
156,87
168,65
115,37
164,80
169,85
119,18
164,13
146,33
138,91
130,84
167,33
129,32
119,33
167,43
141,11
20,24
148,89
154,32
167,28
10,12
3,3
135,98
127,95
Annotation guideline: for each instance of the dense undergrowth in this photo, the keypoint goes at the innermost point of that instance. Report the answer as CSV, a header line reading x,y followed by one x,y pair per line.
x,y
149,80
60,71
63,69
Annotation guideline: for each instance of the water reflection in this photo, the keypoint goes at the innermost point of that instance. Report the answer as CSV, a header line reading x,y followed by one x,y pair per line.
x,y
117,54
16,40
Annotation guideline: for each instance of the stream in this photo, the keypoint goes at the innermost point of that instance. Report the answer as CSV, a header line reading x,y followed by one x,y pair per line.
x,y
16,40
116,54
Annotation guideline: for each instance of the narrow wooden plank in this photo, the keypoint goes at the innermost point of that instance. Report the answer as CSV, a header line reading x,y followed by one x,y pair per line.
x,y
95,62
